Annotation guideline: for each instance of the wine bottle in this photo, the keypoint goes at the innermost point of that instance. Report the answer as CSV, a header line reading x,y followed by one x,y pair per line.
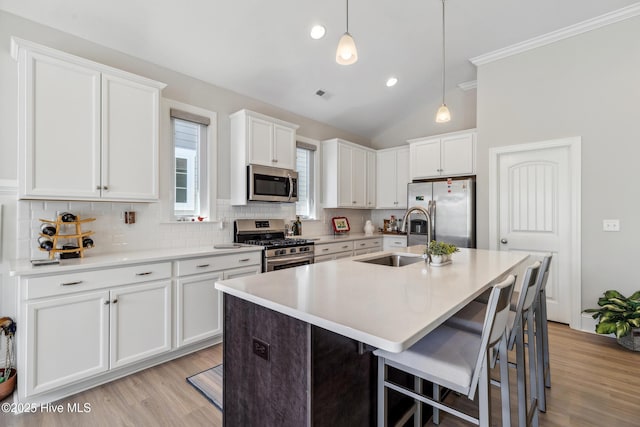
x,y
67,217
48,229
298,226
45,243
87,242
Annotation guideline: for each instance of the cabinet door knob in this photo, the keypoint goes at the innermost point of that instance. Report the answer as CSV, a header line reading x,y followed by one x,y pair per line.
x,y
98,187
275,160
504,241
105,188
107,302
115,301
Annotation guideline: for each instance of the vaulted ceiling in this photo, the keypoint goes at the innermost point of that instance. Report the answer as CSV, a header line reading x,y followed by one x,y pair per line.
x,y
263,49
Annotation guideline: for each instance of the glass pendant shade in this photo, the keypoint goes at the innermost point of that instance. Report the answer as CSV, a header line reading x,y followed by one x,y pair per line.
x,y
443,115
346,54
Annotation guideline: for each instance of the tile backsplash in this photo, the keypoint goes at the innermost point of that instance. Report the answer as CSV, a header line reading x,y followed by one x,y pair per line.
x,y
152,231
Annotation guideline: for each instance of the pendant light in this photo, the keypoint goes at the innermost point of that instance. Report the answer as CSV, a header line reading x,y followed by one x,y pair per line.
x,y
346,54
443,115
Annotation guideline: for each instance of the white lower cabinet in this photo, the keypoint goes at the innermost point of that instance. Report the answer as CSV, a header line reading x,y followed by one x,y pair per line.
x,y
83,328
77,336
140,322
67,340
338,250
390,242
198,308
198,303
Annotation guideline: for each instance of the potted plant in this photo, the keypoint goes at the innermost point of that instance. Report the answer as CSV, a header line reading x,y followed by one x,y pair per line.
x,y
8,373
441,251
619,315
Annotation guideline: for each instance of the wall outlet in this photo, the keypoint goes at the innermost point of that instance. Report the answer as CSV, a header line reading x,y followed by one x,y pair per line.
x,y
260,348
610,225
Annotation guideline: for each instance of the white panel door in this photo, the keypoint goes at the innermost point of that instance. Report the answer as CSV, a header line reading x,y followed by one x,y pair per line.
x,y
284,147
260,141
61,156
198,308
68,340
535,215
140,322
129,140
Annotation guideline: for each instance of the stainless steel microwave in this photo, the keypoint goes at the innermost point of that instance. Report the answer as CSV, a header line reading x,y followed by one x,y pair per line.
x,y
268,184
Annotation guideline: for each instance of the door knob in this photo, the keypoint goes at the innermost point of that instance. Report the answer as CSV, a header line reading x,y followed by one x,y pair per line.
x,y
504,241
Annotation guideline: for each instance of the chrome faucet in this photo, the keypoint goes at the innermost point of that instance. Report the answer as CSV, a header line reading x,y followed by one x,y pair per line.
x,y
425,212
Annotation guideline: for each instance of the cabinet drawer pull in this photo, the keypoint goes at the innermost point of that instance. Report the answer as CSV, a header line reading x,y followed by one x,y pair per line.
x,y
345,247
325,249
244,260
363,244
71,283
202,265
146,273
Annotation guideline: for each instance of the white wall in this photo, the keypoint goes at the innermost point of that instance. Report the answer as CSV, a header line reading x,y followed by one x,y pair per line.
x,y
462,105
587,86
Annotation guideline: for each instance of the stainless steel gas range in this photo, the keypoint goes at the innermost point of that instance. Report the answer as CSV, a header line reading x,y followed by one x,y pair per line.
x,y
279,252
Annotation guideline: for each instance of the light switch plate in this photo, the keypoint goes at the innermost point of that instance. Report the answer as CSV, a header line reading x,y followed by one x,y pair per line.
x,y
610,225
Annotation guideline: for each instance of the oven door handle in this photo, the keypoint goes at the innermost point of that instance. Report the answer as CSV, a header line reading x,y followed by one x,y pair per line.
x,y
287,260
290,186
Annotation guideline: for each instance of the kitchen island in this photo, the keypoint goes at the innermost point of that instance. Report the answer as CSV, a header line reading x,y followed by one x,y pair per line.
x,y
296,340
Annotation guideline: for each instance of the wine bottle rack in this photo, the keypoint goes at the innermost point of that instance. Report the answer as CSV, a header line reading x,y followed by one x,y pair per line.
x,y
77,236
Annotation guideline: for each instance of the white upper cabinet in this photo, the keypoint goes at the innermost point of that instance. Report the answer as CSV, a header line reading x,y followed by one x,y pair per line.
x,y
443,155
260,140
348,179
86,131
371,179
263,140
392,178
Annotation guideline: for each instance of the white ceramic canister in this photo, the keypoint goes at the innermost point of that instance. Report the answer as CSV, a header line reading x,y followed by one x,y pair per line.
x,y
368,228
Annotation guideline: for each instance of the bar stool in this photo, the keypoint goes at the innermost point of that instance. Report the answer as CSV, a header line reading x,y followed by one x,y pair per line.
x,y
453,358
542,334
470,319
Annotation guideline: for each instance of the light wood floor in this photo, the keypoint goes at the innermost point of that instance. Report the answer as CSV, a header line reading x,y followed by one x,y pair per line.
x,y
594,384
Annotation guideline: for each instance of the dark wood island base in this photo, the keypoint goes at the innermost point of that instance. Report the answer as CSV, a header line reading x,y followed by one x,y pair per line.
x,y
281,371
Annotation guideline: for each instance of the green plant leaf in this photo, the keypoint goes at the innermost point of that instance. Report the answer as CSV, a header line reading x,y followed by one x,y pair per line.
x,y
619,302
613,294
635,322
635,296
622,328
613,307
606,328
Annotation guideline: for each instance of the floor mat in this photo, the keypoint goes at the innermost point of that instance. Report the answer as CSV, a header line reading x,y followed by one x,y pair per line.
x,y
209,383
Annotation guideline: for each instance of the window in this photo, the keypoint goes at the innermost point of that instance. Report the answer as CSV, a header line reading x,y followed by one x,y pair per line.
x,y
306,167
193,161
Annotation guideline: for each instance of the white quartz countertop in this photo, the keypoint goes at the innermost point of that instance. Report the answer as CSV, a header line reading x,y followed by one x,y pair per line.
x,y
24,267
386,307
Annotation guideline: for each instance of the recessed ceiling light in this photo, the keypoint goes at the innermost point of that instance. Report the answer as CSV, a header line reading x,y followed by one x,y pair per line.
x,y
392,81
317,32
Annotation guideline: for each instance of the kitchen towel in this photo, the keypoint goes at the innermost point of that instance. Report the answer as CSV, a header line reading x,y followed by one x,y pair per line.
x,y
209,383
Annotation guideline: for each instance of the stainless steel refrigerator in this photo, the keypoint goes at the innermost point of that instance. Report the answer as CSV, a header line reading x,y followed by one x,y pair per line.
x,y
452,204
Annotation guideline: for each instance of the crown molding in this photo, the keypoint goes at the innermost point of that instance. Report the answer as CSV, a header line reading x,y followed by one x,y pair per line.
x,y
472,84
555,36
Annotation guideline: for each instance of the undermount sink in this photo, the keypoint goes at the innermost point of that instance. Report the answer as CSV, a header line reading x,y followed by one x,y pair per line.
x,y
393,260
